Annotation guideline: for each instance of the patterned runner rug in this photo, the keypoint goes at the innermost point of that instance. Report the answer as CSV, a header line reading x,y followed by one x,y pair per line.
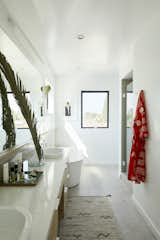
x,y
89,218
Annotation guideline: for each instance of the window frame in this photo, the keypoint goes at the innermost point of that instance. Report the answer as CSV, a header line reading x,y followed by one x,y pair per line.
x,y
92,91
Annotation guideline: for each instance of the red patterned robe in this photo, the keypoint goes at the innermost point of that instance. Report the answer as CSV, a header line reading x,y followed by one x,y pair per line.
x,y
137,165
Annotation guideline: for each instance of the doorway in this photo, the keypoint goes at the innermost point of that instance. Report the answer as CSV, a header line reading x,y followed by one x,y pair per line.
x,y
127,120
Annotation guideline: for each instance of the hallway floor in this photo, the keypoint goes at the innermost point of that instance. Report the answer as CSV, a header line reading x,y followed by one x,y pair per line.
x,y
102,180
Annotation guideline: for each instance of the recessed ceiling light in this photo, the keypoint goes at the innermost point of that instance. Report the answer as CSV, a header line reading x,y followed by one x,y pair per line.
x,y
80,36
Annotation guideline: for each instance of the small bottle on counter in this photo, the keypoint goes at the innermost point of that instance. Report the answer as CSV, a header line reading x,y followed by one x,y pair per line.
x,y
21,173
25,166
15,171
19,162
5,173
12,173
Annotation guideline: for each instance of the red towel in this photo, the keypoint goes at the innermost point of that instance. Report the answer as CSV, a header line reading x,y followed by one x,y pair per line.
x,y
137,166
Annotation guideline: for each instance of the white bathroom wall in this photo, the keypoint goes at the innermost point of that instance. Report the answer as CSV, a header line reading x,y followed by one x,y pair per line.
x,y
146,76
101,144
146,67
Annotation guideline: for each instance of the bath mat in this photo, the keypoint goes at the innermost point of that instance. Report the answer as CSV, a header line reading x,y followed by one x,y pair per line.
x,y
89,218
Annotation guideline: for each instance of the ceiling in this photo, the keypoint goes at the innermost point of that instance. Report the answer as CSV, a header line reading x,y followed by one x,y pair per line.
x,y
109,26
20,64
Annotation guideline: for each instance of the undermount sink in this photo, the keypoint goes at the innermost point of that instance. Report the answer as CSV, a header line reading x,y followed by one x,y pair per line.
x,y
53,152
14,223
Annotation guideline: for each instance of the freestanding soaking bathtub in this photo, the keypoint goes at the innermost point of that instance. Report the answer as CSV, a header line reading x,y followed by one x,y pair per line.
x,y
75,161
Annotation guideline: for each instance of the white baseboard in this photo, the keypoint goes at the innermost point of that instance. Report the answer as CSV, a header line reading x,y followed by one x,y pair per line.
x,y
146,217
94,164
128,184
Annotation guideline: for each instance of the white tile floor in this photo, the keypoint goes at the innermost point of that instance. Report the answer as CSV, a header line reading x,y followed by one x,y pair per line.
x,y
102,180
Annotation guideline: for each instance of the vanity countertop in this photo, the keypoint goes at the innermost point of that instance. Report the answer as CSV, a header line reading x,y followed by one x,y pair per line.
x,y
41,200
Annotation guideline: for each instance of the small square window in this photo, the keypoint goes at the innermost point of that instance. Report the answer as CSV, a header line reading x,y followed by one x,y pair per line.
x,y
94,109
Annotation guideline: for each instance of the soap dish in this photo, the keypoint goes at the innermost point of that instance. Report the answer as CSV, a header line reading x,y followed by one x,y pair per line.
x,y
31,178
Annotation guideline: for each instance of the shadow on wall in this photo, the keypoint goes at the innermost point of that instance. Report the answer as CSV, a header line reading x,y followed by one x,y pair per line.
x,y
78,148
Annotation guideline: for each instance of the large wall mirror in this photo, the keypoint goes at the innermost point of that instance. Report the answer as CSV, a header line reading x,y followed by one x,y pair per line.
x,y
32,80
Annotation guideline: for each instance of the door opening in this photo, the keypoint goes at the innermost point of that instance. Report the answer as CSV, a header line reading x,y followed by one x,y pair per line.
x,y
127,121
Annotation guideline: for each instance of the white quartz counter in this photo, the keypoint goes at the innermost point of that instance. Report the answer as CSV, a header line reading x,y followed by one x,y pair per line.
x,y
39,201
